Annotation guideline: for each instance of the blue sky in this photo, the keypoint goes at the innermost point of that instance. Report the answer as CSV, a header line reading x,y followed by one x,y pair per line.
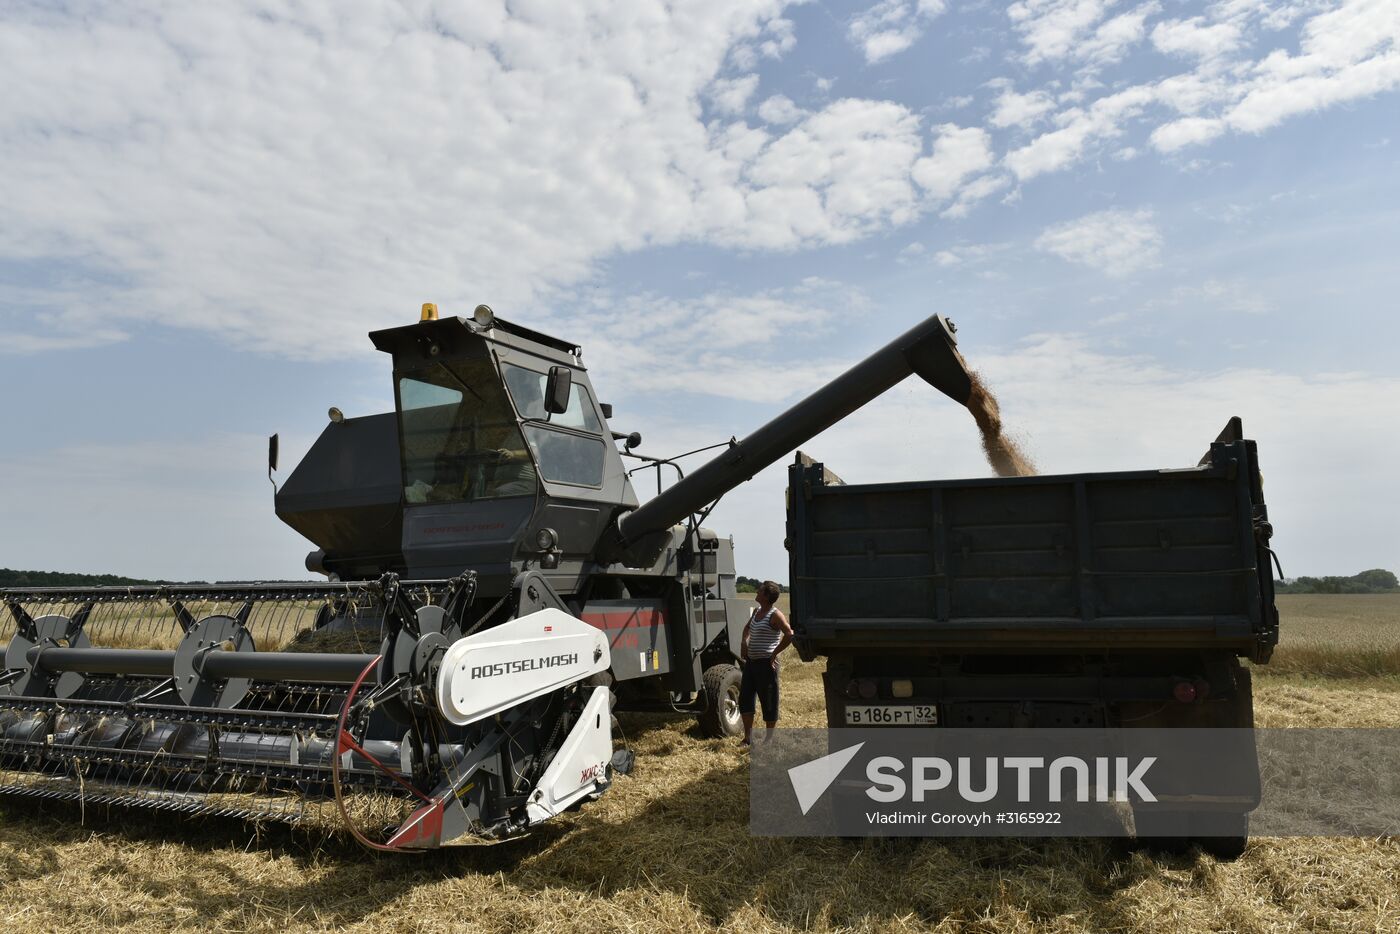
x,y
1145,218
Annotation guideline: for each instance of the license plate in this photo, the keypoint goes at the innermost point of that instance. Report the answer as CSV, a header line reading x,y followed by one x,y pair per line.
x,y
892,715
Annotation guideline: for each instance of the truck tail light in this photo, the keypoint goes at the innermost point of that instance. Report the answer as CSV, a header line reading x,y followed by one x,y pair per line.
x,y
902,687
1184,691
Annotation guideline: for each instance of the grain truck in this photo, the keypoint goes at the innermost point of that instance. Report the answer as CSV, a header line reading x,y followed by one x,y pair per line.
x,y
1124,599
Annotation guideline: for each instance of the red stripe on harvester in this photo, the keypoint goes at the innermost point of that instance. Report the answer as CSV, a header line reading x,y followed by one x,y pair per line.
x,y
640,618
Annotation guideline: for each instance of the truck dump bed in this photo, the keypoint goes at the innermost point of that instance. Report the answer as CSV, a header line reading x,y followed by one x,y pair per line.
x,y
1135,560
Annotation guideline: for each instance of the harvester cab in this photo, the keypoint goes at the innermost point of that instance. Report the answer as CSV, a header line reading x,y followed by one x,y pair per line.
x,y
493,591
496,457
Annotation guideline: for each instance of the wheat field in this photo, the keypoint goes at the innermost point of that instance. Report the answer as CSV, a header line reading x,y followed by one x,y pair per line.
x,y
667,849
1338,635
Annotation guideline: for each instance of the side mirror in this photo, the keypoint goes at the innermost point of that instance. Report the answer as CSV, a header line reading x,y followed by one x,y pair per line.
x,y
556,391
272,461
607,409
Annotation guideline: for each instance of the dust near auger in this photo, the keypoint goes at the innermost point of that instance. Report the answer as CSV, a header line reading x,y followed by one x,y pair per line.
x,y
1005,456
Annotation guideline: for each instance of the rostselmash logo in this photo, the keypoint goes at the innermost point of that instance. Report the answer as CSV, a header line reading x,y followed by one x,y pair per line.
x,y
522,665
978,781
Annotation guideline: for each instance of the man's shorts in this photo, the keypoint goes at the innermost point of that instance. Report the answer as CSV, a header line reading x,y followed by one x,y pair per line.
x,y
761,682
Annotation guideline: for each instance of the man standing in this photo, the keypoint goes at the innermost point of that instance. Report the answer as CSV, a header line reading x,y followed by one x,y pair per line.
x,y
766,635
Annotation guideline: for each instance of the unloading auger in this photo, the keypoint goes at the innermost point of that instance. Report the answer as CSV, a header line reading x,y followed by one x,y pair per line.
x,y
494,590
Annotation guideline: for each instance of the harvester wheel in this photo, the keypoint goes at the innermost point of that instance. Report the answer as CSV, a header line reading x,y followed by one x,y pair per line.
x,y
720,718
603,679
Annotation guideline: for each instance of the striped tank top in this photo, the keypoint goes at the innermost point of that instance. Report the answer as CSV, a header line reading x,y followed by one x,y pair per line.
x,y
763,635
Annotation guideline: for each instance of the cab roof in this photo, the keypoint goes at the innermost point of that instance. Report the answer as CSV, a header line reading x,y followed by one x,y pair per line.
x,y
452,335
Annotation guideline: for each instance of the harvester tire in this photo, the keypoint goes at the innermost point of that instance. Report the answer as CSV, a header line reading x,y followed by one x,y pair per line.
x,y
720,717
603,679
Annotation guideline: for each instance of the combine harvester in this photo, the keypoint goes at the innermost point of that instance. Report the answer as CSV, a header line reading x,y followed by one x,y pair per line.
x,y
494,588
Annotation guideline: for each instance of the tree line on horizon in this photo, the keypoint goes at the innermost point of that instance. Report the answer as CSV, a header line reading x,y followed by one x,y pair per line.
x,y
1376,580
750,584
13,578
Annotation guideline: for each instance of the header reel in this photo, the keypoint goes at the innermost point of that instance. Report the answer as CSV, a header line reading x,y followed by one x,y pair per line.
x,y
299,702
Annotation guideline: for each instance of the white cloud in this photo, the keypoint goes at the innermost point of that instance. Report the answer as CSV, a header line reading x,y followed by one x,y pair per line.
x,y
231,167
1112,39
731,95
49,317
973,192
891,26
837,175
967,253
1050,28
780,39
1115,242
722,344
1271,15
1188,131
1014,109
779,109
216,166
1346,52
1196,37
772,40
1078,128
958,154
1194,92
1054,30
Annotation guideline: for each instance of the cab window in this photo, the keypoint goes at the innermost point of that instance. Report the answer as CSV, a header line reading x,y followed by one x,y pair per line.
x,y
566,444
565,457
460,440
527,389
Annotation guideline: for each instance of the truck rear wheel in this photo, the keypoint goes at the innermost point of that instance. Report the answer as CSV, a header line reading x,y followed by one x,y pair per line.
x,y
720,718
1153,830
1230,846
